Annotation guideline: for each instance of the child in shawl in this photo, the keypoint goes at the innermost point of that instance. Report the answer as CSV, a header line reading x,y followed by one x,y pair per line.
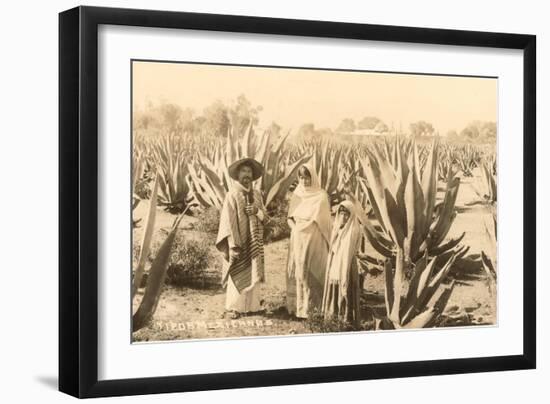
x,y
342,289
309,220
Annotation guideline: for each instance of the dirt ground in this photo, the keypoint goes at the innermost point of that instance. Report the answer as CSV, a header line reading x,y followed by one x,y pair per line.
x,y
191,313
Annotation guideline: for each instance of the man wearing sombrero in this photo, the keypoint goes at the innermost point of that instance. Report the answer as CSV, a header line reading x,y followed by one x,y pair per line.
x,y
240,238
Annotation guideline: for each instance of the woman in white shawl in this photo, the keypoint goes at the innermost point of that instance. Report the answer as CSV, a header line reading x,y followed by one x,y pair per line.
x,y
309,220
342,289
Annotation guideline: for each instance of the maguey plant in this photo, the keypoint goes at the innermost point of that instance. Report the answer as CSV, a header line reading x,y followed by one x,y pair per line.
x,y
158,268
209,179
489,194
411,233
446,165
169,154
467,158
138,179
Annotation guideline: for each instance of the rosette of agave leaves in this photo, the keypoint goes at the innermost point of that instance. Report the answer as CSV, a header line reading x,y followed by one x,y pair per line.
x,y
412,221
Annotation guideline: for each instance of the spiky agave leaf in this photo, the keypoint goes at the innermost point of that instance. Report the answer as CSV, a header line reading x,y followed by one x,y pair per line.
x,y
381,199
155,281
382,245
415,207
388,284
489,182
421,273
445,216
146,238
203,190
168,154
424,284
398,286
427,292
428,317
282,185
429,182
215,182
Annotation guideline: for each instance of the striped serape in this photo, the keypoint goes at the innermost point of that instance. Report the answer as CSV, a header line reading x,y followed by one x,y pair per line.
x,y
237,229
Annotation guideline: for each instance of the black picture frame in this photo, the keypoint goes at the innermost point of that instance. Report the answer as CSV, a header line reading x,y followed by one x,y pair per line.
x,y
78,200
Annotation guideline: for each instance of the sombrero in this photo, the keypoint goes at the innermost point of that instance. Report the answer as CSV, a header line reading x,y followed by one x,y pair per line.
x,y
257,169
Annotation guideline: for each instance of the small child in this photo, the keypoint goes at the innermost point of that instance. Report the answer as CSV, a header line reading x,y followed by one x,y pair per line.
x,y
342,289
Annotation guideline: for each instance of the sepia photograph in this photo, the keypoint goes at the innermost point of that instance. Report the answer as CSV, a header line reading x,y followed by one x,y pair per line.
x,y
283,201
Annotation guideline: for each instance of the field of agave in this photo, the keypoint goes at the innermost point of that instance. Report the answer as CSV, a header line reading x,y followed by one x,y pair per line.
x,y
406,189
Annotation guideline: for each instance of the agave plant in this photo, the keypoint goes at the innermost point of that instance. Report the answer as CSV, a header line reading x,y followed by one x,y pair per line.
x,y
490,195
467,158
419,302
446,165
328,164
157,271
404,203
412,230
350,173
488,259
209,177
207,182
138,170
404,146
169,155
489,183
146,238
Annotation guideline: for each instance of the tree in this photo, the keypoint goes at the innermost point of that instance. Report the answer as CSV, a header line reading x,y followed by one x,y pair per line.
x,y
142,120
369,122
196,125
164,117
170,116
470,132
489,131
421,128
347,125
452,135
306,130
479,131
242,113
186,119
216,120
324,132
381,127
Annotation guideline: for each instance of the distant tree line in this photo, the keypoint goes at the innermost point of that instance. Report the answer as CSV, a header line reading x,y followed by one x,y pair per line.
x,y
214,120
308,131
369,122
475,131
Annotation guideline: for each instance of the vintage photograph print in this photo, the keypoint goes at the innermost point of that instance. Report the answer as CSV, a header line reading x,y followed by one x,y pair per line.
x,y
277,201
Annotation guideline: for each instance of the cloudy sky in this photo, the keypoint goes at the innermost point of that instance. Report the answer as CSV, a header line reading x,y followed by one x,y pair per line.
x,y
292,97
